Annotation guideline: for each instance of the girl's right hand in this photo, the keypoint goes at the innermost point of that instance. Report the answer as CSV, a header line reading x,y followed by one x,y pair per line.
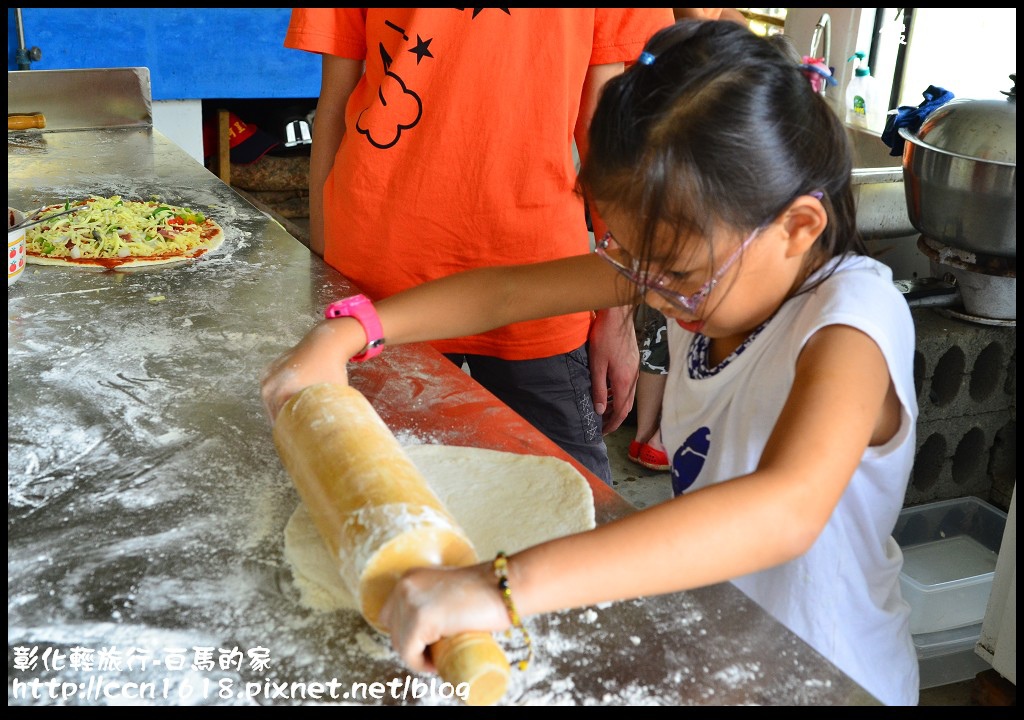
x,y
428,604
320,357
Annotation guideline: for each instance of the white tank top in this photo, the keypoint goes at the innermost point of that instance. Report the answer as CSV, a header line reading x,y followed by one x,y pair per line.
x,y
843,596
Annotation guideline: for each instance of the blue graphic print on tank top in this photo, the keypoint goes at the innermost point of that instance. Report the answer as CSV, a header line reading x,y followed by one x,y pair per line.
x,y
688,460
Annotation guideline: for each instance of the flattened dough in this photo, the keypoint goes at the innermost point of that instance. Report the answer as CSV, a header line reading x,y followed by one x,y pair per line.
x,y
503,501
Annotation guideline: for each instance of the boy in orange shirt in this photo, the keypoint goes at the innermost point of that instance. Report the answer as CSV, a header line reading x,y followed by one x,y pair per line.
x,y
442,142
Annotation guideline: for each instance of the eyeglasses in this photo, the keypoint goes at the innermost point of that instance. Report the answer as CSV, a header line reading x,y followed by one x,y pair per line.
x,y
645,280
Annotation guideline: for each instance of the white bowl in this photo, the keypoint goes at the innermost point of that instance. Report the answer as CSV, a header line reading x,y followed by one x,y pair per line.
x,y
15,246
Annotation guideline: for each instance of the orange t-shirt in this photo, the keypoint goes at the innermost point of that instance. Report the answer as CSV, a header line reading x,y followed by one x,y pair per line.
x,y
458,145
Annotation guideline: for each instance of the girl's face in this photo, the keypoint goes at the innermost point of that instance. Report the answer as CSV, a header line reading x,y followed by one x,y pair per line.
x,y
663,280
726,292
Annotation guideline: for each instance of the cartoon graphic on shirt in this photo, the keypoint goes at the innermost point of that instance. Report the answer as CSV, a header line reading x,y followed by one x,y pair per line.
x,y
399,107
689,459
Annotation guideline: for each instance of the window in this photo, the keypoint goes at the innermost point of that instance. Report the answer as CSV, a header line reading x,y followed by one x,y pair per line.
x,y
968,51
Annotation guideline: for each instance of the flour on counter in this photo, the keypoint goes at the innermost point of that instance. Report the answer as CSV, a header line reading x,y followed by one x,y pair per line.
x,y
736,675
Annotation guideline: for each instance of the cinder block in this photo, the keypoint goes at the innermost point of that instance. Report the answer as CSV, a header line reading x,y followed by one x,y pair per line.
x,y
957,456
963,368
965,374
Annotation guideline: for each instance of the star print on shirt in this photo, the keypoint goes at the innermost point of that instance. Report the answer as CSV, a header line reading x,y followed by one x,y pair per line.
x,y
477,11
422,49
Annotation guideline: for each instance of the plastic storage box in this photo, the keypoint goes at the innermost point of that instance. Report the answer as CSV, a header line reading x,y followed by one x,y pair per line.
x,y
948,656
949,559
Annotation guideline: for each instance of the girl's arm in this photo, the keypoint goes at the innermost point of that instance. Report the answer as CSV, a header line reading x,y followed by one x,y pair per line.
x,y
466,303
840,402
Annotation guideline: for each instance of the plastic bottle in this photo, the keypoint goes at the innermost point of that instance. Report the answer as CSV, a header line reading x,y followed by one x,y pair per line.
x,y
861,95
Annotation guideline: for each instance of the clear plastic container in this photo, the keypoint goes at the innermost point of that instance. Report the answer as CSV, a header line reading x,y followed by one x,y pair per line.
x,y
949,558
948,656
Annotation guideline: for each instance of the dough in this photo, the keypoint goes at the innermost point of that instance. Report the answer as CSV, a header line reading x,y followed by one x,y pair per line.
x,y
503,501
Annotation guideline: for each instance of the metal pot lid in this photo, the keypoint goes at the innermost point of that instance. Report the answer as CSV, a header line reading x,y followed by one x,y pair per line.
x,y
979,129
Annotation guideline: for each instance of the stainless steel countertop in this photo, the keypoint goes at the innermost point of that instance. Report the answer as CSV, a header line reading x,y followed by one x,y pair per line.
x,y
146,501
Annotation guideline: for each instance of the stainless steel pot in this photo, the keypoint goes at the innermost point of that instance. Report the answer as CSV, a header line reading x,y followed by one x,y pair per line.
x,y
960,175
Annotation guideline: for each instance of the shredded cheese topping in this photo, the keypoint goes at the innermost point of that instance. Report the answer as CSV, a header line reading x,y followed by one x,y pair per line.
x,y
116,228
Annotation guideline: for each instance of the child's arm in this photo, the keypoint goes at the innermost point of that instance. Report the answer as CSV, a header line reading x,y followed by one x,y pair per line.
x,y
466,303
841,401
339,79
613,351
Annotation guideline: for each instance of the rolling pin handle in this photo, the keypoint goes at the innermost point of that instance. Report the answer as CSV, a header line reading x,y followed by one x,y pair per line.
x,y
473,658
25,122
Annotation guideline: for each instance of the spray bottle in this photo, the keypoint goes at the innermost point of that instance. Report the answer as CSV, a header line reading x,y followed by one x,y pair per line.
x,y
861,94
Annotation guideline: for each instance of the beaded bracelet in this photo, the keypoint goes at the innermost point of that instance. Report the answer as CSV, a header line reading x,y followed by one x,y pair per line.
x,y
501,572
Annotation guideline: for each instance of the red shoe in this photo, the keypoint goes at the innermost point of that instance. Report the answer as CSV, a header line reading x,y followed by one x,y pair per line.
x,y
644,454
653,459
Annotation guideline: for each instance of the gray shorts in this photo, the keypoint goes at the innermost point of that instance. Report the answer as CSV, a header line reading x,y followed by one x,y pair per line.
x,y
553,395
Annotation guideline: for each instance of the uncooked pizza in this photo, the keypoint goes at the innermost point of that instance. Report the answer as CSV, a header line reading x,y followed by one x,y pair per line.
x,y
116,233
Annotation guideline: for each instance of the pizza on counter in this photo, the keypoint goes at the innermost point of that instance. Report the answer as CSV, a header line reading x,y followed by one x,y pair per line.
x,y
116,233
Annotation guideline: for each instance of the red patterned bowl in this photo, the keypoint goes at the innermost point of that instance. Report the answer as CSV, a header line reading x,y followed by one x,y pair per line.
x,y
15,246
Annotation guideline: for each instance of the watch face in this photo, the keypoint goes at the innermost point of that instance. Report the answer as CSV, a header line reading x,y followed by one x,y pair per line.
x,y
349,307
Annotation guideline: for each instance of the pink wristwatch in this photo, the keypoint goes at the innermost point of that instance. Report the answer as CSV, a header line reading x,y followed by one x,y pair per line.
x,y
360,308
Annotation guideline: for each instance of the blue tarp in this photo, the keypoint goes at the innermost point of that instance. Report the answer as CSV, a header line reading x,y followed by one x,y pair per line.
x,y
191,53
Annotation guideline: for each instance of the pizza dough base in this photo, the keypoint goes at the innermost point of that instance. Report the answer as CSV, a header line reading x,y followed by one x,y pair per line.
x,y
503,501
208,247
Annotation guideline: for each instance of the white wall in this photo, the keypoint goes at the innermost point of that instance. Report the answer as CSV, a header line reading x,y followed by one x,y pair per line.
x,y
181,121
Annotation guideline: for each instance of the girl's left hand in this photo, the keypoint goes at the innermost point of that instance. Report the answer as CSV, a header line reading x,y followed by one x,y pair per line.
x,y
319,357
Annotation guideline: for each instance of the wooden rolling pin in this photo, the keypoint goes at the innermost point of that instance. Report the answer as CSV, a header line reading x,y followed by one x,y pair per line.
x,y
378,518
25,122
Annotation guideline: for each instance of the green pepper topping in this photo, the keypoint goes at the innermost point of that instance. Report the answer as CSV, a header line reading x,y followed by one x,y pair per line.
x,y
191,216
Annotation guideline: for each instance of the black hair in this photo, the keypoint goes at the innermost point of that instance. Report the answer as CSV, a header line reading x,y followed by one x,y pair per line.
x,y
722,127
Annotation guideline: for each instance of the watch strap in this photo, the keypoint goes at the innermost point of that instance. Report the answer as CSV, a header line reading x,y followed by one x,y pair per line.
x,y
361,309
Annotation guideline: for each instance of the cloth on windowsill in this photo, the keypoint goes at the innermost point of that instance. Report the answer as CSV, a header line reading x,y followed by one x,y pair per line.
x,y
911,117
